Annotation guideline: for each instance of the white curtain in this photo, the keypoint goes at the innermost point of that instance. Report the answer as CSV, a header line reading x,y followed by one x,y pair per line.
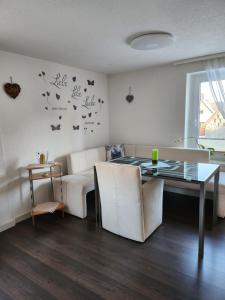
x,y
216,76
192,109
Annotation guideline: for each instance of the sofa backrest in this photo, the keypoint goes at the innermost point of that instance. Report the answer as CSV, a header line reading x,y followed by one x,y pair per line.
x,y
172,153
84,160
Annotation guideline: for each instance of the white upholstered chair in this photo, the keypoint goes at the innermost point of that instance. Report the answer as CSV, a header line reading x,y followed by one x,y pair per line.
x,y
129,208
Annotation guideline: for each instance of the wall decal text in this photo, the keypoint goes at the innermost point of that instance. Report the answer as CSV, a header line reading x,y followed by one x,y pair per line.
x,y
89,102
76,92
59,81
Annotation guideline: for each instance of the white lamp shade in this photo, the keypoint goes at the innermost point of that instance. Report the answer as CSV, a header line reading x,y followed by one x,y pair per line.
x,y
152,41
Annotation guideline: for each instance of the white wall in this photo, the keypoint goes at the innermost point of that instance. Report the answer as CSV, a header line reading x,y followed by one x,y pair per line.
x,y
156,116
25,125
157,113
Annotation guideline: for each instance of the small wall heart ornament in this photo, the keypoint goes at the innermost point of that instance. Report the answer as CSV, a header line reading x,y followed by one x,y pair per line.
x,y
12,89
129,97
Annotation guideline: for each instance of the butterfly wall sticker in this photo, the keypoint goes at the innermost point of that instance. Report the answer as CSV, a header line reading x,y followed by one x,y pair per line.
x,y
76,127
91,82
83,117
56,127
42,74
100,101
89,115
46,94
74,107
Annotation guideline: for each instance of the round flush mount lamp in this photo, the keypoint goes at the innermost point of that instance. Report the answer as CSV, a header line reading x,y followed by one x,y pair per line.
x,y
151,40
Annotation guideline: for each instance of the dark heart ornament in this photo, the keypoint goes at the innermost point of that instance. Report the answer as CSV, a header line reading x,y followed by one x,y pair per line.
x,y
130,98
12,89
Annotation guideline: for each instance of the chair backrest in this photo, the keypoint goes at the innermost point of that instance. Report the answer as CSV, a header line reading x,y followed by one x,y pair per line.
x,y
121,199
84,160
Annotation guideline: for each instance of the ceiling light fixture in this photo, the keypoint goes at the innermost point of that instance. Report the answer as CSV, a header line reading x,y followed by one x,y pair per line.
x,y
151,40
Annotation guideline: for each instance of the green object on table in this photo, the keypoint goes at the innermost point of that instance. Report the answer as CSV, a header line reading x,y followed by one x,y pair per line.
x,y
155,155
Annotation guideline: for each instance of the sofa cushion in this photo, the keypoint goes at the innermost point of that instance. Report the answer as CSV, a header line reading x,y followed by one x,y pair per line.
x,y
75,188
114,151
95,155
85,178
76,162
184,154
84,160
89,184
144,151
171,153
129,150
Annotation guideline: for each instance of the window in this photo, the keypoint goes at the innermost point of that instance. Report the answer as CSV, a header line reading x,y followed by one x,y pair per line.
x,y
211,122
204,124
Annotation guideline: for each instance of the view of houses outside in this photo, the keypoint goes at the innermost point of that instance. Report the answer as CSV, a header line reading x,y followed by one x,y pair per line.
x,y
212,123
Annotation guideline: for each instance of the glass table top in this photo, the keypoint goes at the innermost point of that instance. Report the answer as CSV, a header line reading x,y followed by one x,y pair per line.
x,y
176,170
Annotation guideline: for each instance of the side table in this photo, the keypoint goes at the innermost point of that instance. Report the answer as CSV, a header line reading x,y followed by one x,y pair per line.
x,y
50,170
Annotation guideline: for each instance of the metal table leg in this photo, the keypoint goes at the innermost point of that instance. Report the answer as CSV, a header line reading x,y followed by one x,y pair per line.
x,y
97,200
215,197
201,220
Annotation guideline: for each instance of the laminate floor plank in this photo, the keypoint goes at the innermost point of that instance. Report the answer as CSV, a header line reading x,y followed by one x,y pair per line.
x,y
73,259
134,279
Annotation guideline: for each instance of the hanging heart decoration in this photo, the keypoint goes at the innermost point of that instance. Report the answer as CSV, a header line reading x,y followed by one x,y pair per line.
x,y
129,97
12,89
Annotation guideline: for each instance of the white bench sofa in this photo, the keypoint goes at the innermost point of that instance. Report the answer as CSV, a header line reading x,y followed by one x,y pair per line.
x,y
79,181
80,178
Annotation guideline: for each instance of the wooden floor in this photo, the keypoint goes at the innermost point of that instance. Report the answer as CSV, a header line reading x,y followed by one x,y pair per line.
x,y
73,259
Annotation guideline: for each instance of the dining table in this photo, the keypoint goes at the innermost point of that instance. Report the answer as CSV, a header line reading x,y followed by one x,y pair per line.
x,y
189,172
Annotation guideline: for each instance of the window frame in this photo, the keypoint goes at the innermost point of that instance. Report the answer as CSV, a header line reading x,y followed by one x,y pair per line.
x,y
192,109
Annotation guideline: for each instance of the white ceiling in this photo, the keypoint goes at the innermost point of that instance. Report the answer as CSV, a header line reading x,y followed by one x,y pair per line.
x,y
92,34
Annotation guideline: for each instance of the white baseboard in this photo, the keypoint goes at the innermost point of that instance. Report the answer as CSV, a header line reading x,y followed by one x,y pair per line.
x,y
13,222
23,217
7,225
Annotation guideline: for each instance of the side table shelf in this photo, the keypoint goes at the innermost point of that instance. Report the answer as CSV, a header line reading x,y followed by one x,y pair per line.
x,y
45,175
45,207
